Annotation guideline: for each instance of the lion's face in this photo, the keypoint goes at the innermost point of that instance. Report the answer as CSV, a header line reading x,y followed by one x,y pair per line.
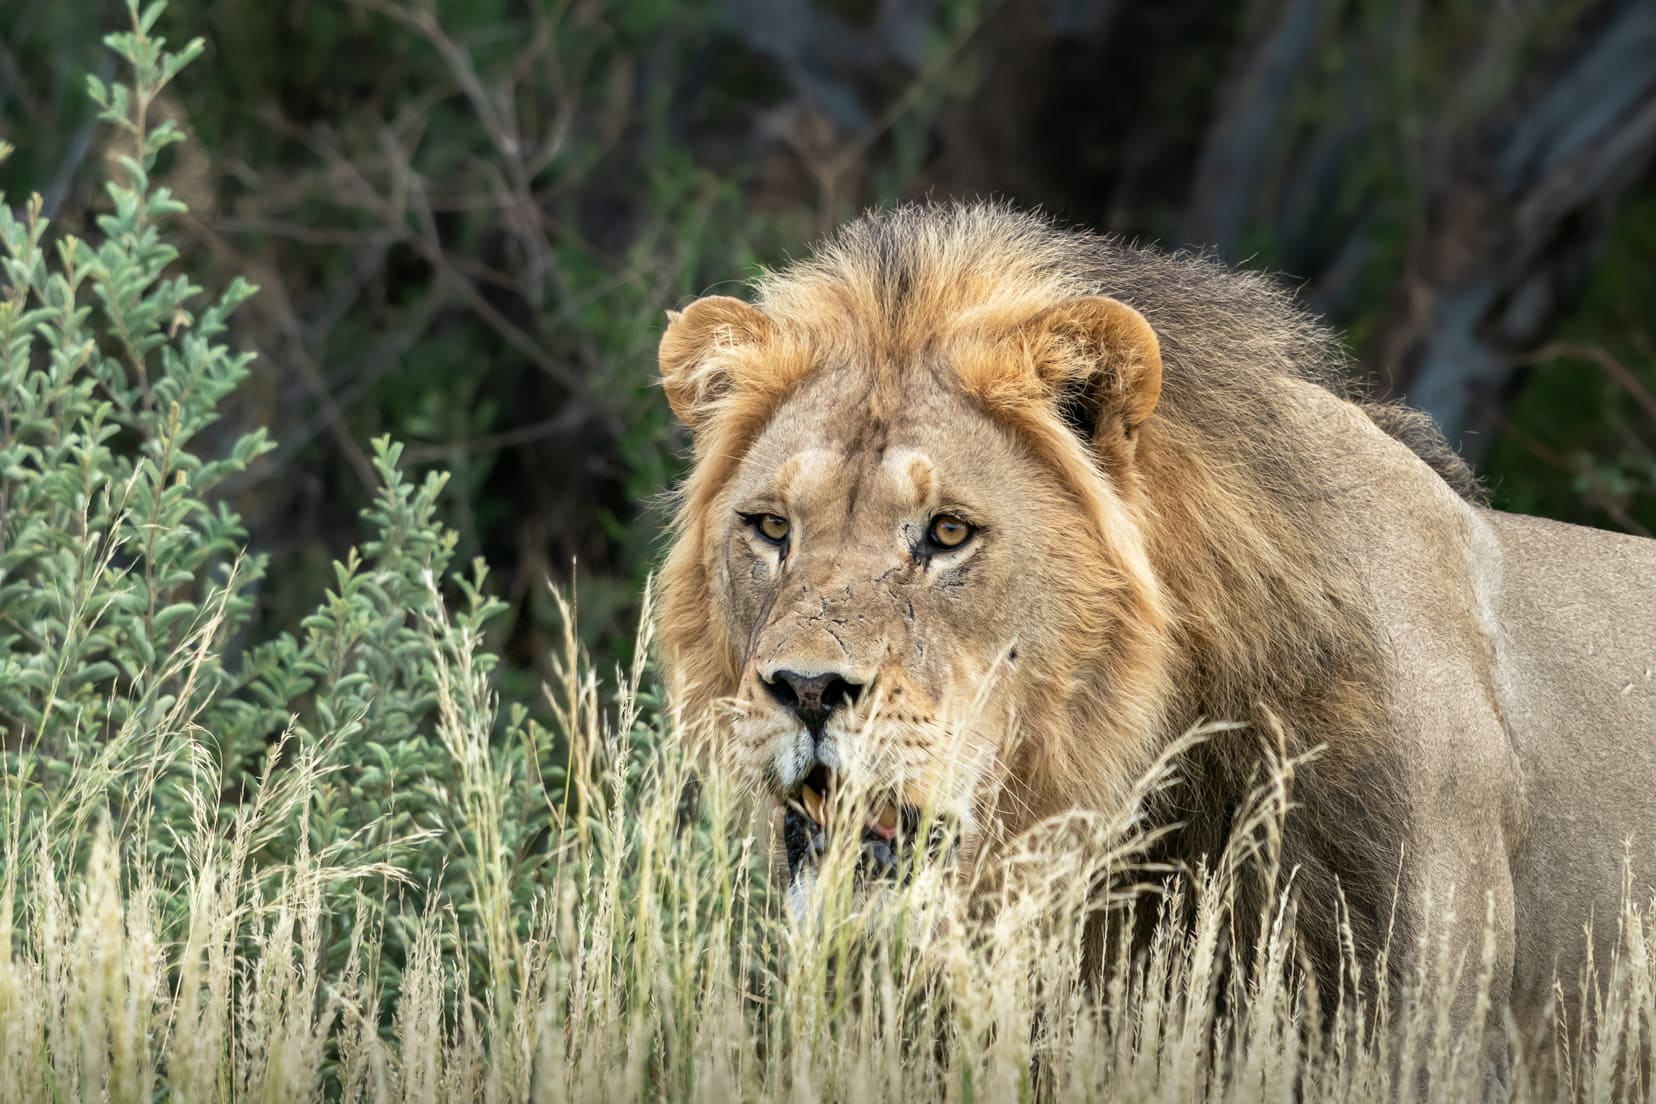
x,y
898,584
885,580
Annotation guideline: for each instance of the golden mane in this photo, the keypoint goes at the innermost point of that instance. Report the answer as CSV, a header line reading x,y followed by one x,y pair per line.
x,y
1234,608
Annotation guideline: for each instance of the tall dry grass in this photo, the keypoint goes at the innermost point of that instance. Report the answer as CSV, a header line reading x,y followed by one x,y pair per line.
x,y
660,962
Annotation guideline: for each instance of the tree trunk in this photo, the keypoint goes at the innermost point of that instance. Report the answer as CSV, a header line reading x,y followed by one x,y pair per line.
x,y
1521,200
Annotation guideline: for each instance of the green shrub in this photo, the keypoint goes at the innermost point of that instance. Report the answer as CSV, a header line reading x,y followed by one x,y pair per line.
x,y
135,690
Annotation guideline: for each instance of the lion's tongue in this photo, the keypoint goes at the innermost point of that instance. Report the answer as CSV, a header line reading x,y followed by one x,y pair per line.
x,y
884,823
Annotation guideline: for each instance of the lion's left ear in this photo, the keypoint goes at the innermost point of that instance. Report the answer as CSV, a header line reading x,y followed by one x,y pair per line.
x,y
1102,363
696,366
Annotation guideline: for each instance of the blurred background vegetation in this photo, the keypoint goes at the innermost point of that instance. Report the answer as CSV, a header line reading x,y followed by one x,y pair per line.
x,y
466,218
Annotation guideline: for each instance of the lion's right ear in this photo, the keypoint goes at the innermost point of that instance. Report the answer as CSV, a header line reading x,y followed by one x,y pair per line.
x,y
1102,362
696,362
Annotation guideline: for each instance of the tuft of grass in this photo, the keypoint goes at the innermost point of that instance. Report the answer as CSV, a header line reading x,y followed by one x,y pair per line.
x,y
659,961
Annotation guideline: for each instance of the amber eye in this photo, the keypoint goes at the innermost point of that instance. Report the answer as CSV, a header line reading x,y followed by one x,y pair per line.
x,y
949,531
771,527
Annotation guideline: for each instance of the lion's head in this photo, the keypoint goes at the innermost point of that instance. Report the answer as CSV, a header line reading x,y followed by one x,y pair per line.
x,y
983,511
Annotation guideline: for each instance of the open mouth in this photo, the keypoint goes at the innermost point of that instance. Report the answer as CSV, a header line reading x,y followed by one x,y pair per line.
x,y
812,817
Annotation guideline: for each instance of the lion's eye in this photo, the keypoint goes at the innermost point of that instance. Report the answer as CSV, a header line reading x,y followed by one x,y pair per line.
x,y
772,527
949,531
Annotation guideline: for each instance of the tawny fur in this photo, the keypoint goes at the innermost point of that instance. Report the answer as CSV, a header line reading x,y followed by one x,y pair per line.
x,y
1252,543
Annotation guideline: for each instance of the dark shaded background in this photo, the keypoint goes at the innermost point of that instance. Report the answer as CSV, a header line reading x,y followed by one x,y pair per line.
x,y
467,216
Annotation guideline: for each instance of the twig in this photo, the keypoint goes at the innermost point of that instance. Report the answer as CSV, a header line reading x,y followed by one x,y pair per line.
x,y
492,442
1612,509
428,244
1619,373
827,171
79,146
11,81
288,323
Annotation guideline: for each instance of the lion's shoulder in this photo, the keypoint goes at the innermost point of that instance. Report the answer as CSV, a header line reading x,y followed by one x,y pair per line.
x,y
1417,430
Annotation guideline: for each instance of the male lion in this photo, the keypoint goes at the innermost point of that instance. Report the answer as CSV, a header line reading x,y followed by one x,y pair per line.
x,y
960,455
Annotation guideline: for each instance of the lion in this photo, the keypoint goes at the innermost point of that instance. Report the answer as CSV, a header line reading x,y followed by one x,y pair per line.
x,y
958,441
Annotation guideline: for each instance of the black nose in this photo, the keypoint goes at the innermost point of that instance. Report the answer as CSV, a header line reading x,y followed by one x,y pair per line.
x,y
812,697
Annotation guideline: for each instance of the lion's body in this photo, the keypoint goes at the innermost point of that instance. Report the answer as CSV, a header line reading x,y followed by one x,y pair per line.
x,y
1571,616
1521,660
1258,547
